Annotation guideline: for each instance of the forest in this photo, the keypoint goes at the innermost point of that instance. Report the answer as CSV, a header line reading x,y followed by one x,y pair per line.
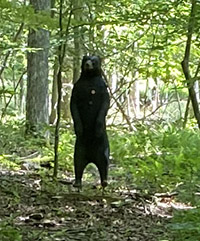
x,y
150,54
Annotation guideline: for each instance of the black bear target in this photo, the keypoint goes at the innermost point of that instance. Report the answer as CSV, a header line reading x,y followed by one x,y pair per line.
x,y
89,106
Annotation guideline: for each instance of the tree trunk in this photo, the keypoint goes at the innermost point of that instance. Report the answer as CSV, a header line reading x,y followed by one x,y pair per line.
x,y
186,113
135,95
155,98
66,93
196,87
185,64
77,40
37,72
54,97
21,98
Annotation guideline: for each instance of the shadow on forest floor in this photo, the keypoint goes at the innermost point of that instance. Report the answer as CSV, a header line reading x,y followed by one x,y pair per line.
x,y
36,208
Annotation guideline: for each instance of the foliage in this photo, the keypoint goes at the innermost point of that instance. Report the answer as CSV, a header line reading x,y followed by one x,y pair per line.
x,y
66,149
155,156
163,158
16,145
14,141
9,233
158,156
186,225
141,41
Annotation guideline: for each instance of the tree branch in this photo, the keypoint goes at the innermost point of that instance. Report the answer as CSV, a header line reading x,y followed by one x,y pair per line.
x,y
131,127
7,104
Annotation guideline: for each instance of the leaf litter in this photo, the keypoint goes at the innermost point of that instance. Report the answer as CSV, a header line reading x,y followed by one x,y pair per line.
x,y
37,208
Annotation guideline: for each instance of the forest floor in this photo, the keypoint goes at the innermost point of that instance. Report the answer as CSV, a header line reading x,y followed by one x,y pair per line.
x,y
34,207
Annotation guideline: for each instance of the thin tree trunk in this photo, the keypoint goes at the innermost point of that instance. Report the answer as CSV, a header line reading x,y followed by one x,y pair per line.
x,y
3,64
66,93
59,88
15,89
178,101
61,55
77,40
54,97
196,87
185,64
21,97
136,98
186,112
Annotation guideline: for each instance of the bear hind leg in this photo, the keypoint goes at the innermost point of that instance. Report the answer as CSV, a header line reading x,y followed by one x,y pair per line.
x,y
79,166
102,165
80,163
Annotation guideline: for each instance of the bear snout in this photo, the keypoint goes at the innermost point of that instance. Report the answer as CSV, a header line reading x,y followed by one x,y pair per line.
x,y
88,65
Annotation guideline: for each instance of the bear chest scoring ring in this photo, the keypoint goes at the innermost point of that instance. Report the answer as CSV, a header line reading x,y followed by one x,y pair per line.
x,y
92,92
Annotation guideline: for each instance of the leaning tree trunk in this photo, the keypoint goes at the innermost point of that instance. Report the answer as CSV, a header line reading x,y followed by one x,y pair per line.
x,y
185,64
37,72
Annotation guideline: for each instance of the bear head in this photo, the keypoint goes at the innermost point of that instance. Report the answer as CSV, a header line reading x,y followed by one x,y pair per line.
x,y
91,65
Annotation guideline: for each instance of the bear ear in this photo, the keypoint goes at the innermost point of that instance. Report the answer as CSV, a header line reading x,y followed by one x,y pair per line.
x,y
99,59
86,57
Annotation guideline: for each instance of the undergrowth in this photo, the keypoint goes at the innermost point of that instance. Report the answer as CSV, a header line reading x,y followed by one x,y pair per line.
x,y
155,158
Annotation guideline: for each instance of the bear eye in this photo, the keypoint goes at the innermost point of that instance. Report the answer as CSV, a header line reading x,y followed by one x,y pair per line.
x,y
94,61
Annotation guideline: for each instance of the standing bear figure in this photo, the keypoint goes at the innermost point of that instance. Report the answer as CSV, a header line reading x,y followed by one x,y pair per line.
x,y
89,106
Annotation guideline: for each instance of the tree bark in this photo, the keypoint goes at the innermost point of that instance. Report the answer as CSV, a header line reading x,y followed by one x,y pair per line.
x,y
37,72
186,113
54,97
185,64
59,91
77,40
